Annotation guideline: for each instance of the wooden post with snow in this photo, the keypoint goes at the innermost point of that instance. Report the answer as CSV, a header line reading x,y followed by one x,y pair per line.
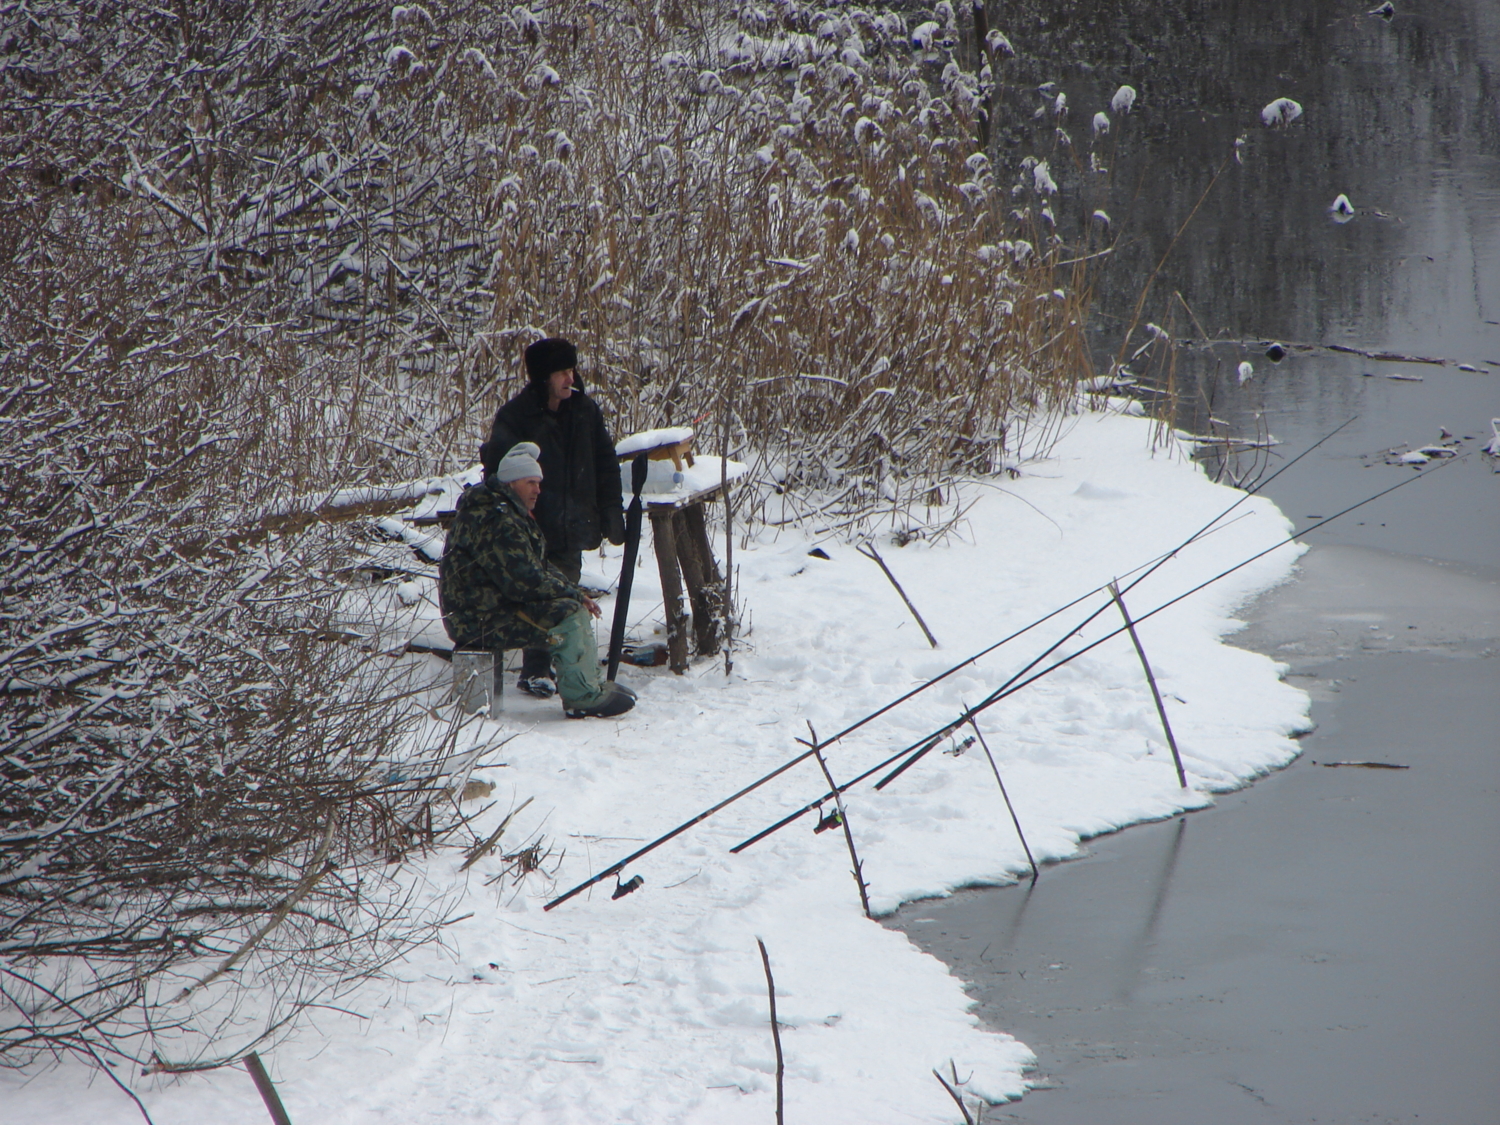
x,y
701,573
684,556
664,540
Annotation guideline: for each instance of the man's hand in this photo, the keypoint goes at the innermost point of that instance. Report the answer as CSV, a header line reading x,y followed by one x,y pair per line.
x,y
614,526
592,606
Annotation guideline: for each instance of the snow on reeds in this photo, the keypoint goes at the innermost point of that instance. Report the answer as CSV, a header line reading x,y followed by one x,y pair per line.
x,y
771,225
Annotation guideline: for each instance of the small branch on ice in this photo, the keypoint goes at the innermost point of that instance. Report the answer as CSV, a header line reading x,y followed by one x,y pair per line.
x,y
1364,765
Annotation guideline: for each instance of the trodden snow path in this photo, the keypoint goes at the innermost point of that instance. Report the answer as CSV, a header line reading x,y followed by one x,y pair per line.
x,y
652,1008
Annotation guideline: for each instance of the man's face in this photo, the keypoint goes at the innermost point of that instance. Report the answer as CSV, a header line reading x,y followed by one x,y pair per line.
x,y
528,489
560,385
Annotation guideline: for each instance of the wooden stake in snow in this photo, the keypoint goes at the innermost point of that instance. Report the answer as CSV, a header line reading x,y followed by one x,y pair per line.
x,y
869,552
1009,807
267,1090
765,959
1161,709
725,414
859,873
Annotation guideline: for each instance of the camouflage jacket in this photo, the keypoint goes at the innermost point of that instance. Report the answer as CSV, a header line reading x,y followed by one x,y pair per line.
x,y
495,586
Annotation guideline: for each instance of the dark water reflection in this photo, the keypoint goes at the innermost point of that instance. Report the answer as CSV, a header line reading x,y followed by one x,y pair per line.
x,y
1403,117
1322,947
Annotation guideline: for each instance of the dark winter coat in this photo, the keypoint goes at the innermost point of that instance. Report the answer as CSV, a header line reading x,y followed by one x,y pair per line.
x,y
581,494
495,587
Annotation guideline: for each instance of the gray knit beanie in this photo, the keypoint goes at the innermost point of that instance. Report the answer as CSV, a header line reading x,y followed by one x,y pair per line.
x,y
520,462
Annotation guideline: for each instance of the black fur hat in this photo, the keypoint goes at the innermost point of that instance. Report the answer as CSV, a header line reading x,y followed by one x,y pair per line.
x,y
549,355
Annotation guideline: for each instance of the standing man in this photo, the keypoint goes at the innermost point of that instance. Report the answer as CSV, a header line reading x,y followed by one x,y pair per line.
x,y
581,497
497,590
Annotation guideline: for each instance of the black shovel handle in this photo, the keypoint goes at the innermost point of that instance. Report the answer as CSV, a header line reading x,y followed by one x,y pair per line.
x,y
627,566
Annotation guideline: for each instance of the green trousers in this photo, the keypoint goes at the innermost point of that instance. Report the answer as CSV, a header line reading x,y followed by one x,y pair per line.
x,y
576,657
538,661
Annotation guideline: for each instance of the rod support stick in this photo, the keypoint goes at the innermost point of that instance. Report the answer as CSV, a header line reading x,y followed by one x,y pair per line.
x,y
869,552
838,800
765,960
1035,871
1161,707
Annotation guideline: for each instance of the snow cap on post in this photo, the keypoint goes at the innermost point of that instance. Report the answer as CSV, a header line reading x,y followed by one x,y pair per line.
x,y
549,355
520,463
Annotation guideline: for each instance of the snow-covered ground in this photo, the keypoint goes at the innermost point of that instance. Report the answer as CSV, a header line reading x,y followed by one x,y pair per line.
x,y
652,1007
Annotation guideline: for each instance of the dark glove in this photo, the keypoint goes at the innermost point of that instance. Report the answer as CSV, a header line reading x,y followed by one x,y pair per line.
x,y
614,526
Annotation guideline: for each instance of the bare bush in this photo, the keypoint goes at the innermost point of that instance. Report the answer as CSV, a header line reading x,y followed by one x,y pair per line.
x,y
255,252
191,777
187,760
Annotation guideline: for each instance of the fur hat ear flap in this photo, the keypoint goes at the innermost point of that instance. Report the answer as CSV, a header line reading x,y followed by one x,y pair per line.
x,y
549,355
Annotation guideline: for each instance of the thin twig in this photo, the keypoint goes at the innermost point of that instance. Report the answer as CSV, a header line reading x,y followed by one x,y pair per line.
x,y
315,872
1135,317
474,853
765,959
115,1078
869,552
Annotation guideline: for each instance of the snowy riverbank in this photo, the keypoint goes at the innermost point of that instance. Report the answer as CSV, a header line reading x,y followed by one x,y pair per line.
x,y
652,1008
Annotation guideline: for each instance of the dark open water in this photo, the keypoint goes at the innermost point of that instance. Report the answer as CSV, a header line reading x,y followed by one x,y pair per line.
x,y
1324,947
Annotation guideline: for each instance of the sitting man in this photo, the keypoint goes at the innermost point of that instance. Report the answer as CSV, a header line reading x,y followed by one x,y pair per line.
x,y
497,590
580,503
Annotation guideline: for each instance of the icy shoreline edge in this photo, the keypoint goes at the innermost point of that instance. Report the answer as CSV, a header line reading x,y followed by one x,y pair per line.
x,y
653,1007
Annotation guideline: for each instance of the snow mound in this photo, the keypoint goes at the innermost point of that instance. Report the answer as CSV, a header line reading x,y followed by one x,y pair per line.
x,y
652,1007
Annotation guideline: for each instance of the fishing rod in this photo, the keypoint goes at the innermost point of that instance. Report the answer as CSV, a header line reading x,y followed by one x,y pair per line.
x,y
927,743
1153,565
620,865
1151,568
1157,564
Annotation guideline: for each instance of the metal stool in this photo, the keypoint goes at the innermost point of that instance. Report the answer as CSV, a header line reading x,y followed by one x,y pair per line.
x,y
479,680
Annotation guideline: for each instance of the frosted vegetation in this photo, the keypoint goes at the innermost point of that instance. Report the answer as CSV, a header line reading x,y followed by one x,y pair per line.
x,y
262,252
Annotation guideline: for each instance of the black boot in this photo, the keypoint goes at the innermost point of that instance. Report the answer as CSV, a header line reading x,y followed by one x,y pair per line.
x,y
536,673
612,701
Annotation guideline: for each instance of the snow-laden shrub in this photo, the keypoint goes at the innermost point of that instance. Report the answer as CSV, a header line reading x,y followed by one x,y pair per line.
x,y
316,264
194,775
